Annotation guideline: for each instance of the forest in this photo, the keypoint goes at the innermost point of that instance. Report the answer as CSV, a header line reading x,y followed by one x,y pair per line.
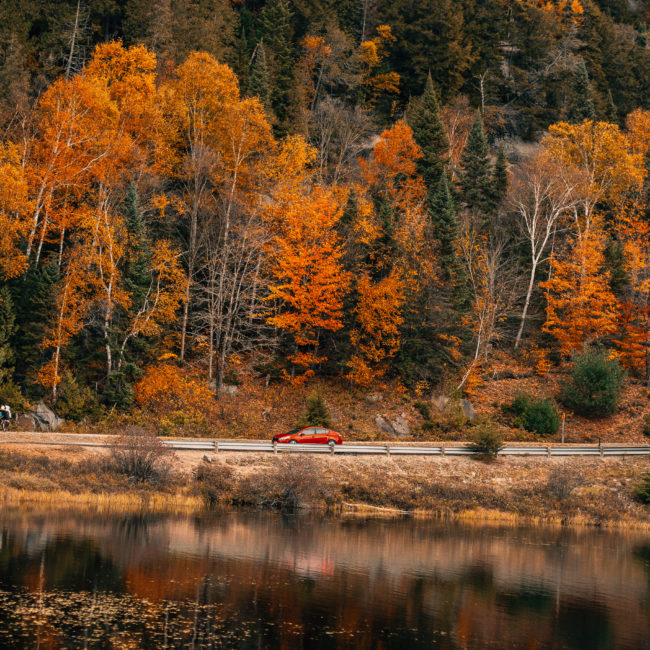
x,y
346,191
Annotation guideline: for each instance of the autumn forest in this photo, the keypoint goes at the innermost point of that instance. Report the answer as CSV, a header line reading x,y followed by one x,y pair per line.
x,y
345,191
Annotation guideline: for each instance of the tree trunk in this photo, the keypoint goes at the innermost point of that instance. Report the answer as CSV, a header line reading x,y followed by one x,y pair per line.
x,y
524,313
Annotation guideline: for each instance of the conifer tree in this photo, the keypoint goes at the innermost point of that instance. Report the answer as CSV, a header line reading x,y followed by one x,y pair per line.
x,y
137,282
259,84
582,104
429,133
277,33
33,298
317,414
476,176
7,329
442,211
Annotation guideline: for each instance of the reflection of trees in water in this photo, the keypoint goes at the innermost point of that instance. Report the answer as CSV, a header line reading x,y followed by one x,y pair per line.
x,y
249,581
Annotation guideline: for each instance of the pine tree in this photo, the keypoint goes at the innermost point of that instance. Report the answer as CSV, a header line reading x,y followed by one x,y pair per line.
x,y
429,133
476,177
277,33
259,84
34,301
582,104
7,329
317,414
442,211
137,281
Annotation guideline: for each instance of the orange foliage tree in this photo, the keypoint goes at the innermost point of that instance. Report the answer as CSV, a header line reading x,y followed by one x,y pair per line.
x,y
15,207
392,229
376,338
581,307
308,280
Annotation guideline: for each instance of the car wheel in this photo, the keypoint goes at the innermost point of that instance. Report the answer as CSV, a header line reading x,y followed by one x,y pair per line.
x,y
293,442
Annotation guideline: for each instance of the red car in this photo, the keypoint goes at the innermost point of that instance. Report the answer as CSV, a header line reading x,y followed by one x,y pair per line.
x,y
311,435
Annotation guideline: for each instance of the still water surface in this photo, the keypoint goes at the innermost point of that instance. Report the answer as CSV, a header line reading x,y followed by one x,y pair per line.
x,y
267,581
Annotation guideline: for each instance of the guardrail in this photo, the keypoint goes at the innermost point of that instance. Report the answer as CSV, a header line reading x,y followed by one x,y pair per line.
x,y
370,449
437,450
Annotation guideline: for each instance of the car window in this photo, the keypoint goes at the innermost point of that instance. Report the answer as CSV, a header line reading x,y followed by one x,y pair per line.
x,y
292,432
309,432
321,431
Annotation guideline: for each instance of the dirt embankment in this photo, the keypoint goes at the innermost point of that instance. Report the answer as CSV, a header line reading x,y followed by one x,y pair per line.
x,y
593,491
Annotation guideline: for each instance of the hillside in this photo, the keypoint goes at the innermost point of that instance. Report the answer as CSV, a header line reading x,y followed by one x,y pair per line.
x,y
393,202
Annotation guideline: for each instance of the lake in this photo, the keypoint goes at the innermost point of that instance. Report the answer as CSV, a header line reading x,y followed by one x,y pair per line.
x,y
254,580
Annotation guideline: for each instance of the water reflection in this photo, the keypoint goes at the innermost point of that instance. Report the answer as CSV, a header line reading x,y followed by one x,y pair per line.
x,y
258,581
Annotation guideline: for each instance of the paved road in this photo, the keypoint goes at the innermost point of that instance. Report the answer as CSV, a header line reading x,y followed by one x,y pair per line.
x,y
382,449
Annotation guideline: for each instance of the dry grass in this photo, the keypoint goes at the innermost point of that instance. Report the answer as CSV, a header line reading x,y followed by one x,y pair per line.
x,y
595,491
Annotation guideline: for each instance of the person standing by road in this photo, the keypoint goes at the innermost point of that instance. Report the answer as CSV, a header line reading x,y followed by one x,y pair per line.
x,y
5,416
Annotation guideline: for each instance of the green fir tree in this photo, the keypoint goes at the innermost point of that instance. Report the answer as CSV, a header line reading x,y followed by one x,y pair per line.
x,y
429,133
259,84
317,414
7,330
277,33
476,182
582,103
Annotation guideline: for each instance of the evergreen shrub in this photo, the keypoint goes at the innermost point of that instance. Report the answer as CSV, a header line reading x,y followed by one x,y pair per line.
x,y
595,386
487,440
536,415
317,414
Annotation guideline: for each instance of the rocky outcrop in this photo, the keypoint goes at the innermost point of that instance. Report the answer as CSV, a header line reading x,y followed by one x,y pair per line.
x,y
397,427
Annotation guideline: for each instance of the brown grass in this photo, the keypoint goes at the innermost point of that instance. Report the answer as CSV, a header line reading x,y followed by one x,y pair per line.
x,y
594,491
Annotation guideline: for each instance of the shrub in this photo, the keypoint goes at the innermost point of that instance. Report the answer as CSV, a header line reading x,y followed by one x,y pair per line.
x,y
561,481
142,456
76,401
595,386
487,440
317,414
214,483
292,483
175,398
424,409
520,403
536,415
643,489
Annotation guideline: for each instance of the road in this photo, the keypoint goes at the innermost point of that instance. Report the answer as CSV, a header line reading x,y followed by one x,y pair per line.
x,y
383,448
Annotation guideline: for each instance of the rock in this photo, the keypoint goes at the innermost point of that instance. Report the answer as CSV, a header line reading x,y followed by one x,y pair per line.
x,y
440,402
46,418
401,426
384,425
229,389
373,398
468,409
26,422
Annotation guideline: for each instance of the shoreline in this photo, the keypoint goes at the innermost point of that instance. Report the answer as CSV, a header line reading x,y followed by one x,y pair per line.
x,y
578,491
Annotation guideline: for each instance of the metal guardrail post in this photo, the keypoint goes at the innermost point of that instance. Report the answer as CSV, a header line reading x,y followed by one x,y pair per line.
x,y
387,450
442,450
216,446
275,447
548,451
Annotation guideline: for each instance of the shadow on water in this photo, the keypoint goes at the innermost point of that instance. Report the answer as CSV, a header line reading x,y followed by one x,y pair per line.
x,y
246,580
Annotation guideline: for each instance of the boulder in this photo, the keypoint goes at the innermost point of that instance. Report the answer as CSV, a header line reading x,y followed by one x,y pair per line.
x,y
468,409
46,418
26,422
384,425
229,389
440,402
401,426
373,398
